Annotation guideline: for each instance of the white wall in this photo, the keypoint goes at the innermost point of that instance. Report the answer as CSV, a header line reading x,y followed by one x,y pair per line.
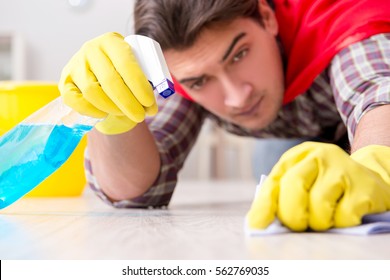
x,y
53,30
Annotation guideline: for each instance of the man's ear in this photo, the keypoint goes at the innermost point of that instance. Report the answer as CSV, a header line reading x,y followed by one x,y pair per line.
x,y
268,17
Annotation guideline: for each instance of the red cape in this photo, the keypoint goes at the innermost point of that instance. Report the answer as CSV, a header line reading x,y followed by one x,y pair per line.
x,y
313,31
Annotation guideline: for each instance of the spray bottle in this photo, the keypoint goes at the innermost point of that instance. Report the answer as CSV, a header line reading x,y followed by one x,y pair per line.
x,y
40,144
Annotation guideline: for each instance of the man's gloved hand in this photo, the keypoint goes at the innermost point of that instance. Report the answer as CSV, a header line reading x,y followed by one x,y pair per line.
x,y
319,186
104,80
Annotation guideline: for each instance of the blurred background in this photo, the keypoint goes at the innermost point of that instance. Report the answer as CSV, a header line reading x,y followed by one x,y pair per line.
x,y
42,35
38,37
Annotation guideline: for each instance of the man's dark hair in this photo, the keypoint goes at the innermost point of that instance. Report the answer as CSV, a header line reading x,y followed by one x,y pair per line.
x,y
176,24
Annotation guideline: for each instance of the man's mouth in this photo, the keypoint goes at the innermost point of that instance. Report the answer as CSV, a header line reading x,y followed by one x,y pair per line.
x,y
249,111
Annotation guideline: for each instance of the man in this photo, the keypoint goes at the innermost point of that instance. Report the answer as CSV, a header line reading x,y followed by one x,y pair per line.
x,y
317,69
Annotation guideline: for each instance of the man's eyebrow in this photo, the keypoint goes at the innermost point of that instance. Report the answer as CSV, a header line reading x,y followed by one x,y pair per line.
x,y
234,42
186,80
225,56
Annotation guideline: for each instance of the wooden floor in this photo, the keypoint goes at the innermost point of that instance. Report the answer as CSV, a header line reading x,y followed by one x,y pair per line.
x,y
204,221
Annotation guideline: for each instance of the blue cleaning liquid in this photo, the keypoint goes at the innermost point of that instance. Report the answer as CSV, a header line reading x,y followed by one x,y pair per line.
x,y
30,153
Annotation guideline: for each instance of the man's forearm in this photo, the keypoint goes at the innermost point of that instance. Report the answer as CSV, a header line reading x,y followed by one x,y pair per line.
x,y
125,165
373,128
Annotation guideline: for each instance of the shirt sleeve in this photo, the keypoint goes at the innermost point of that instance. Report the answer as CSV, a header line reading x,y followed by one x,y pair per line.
x,y
175,129
360,79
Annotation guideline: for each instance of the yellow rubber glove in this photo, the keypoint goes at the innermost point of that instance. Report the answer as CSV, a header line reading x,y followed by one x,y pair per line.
x,y
104,80
319,186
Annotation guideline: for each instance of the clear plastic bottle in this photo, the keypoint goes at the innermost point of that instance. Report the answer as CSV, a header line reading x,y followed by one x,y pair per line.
x,y
39,145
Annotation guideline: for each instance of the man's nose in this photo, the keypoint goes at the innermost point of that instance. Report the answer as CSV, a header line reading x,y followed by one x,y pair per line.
x,y
236,92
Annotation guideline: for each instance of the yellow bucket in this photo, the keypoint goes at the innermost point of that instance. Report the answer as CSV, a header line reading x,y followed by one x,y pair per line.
x,y
17,101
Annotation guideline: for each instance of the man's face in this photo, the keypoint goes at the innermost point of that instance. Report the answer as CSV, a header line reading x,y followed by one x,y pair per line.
x,y
234,71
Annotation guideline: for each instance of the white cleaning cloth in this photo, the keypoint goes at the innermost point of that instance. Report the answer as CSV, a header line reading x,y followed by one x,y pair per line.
x,y
371,224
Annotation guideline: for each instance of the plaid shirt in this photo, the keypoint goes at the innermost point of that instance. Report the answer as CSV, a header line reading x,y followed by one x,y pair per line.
x,y
357,80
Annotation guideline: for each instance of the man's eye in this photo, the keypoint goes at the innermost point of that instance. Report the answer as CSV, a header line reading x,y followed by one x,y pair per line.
x,y
240,55
198,84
